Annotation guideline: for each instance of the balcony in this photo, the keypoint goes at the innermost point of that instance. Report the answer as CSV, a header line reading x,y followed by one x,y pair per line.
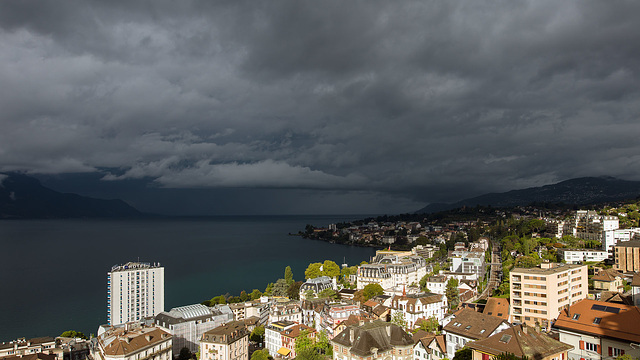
x,y
517,295
517,311
517,302
517,287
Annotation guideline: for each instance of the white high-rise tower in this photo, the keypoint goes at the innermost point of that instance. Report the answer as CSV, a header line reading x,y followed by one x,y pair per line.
x,y
134,290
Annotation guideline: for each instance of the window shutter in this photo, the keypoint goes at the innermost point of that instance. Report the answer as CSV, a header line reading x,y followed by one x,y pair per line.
x,y
581,345
621,352
610,351
599,349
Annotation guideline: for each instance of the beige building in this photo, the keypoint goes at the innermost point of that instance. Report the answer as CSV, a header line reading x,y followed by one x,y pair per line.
x,y
520,341
226,342
539,294
608,280
627,256
374,340
133,341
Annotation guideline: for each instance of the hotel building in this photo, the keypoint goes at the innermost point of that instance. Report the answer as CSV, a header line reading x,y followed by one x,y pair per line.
x,y
134,290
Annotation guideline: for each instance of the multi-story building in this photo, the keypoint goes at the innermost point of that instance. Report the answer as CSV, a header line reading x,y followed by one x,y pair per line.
x,y
273,335
226,342
316,285
134,290
392,269
466,326
589,225
521,341
539,294
331,315
600,330
376,339
132,341
470,262
291,335
283,309
437,284
627,256
415,307
187,324
578,256
613,237
22,346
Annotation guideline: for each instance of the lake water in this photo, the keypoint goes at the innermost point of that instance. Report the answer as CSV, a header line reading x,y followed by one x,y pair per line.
x,y
53,272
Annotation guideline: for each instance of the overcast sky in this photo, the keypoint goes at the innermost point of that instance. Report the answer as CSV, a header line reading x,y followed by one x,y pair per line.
x,y
319,106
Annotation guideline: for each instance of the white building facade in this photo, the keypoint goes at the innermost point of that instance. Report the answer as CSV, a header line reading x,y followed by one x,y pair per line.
x,y
134,290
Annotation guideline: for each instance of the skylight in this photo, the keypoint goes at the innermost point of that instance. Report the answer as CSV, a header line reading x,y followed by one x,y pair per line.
x,y
597,320
505,338
468,327
575,317
482,331
611,309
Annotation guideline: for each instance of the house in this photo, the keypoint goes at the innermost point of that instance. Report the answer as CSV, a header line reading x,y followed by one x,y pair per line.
x,y
520,341
316,285
285,310
423,306
437,284
578,256
429,347
273,337
600,330
608,280
226,342
132,341
498,307
467,325
289,337
627,256
376,339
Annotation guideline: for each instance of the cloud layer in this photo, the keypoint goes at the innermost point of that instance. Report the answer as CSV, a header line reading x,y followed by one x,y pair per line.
x,y
429,101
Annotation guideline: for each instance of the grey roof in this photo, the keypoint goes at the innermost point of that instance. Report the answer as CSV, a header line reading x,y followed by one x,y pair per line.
x,y
380,335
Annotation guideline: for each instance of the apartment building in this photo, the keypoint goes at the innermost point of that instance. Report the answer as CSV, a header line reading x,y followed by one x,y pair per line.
x,y
578,256
22,346
273,336
539,294
627,256
589,225
611,238
135,290
226,342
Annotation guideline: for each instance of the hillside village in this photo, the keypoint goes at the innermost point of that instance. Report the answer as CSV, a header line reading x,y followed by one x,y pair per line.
x,y
537,282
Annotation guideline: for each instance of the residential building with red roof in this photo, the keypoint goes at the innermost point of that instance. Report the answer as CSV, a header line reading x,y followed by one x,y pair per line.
x,y
600,330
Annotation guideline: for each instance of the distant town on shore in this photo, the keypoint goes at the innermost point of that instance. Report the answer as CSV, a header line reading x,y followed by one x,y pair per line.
x,y
544,281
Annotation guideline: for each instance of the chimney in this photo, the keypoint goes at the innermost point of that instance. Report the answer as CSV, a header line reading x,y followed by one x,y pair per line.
x,y
524,329
388,328
351,335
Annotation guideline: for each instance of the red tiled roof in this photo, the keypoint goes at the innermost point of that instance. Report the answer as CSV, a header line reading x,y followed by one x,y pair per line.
x,y
581,318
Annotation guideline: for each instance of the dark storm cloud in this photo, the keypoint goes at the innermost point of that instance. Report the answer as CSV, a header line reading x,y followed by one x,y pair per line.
x,y
428,101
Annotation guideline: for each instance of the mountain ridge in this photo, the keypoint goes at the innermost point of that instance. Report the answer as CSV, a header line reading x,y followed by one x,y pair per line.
x,y
24,197
578,191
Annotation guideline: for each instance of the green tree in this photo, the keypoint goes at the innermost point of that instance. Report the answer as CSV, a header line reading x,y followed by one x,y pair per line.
x,y
185,354
255,294
330,269
328,293
451,292
309,354
288,275
313,271
309,294
372,290
244,296
430,325
303,342
294,290
322,344
261,355
398,318
74,334
269,289
257,335
280,288
463,354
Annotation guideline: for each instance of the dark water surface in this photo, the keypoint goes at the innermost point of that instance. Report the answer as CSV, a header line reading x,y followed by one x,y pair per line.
x,y
53,272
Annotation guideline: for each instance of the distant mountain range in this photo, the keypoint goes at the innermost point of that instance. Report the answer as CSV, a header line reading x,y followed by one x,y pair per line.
x,y
23,197
580,191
